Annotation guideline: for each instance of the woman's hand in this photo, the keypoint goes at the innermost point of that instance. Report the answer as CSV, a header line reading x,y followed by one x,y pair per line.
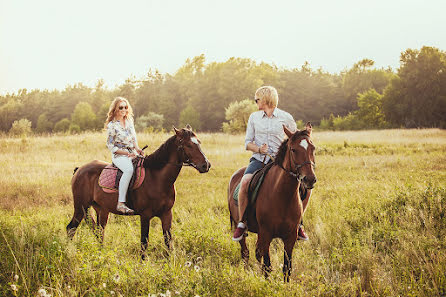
x,y
131,155
140,151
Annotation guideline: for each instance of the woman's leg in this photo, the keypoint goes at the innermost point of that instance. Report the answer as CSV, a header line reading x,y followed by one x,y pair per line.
x,y
125,164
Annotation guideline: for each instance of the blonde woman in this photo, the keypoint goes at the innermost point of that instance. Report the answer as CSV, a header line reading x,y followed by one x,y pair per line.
x,y
264,135
122,142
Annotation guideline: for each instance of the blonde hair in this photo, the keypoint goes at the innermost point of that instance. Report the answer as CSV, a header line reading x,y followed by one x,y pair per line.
x,y
268,95
114,107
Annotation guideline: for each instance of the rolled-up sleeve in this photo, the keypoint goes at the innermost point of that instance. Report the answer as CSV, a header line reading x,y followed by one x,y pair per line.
x,y
250,131
111,132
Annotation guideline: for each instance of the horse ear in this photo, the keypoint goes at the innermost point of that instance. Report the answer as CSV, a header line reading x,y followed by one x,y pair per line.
x,y
309,127
287,132
188,127
177,132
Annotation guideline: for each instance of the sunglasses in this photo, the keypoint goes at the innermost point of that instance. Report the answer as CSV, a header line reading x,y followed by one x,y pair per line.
x,y
122,107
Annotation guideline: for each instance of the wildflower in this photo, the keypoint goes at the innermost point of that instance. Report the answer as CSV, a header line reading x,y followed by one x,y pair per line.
x,y
177,293
42,292
104,285
188,264
14,287
162,295
69,287
199,259
168,293
16,277
116,278
197,268
112,292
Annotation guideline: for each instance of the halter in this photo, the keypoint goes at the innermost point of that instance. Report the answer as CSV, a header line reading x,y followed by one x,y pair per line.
x,y
297,167
184,156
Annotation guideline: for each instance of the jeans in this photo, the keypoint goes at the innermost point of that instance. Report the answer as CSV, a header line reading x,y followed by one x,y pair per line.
x,y
125,164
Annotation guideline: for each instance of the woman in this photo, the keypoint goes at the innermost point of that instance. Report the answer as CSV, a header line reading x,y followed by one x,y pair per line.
x,y
264,135
122,142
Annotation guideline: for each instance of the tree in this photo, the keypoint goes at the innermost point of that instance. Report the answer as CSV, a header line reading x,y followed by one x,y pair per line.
x,y
361,77
43,124
238,115
190,116
370,110
417,97
83,116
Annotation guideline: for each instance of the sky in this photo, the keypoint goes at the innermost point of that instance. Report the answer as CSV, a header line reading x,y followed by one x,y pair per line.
x,y
50,44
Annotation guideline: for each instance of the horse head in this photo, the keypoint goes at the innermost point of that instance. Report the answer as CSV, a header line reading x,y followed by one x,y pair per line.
x,y
190,150
300,155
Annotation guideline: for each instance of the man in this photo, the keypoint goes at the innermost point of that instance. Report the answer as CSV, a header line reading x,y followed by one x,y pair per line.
x,y
264,135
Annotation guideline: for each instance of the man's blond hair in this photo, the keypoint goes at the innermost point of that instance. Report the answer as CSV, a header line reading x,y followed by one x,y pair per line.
x,y
268,95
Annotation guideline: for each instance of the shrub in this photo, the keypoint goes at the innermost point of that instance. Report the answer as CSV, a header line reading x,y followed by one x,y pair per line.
x,y
21,127
62,126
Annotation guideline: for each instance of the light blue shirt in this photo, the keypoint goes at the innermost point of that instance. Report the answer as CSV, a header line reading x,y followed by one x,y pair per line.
x,y
263,129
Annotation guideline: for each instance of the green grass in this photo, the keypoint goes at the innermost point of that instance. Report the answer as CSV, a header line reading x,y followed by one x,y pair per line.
x,y
376,222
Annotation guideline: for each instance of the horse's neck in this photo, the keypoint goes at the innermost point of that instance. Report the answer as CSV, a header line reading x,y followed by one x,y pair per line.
x,y
285,182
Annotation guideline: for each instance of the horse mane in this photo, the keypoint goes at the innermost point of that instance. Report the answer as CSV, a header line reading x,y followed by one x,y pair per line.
x,y
158,159
283,147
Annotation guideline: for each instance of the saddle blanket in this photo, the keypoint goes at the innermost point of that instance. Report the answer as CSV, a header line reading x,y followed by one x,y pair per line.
x,y
111,175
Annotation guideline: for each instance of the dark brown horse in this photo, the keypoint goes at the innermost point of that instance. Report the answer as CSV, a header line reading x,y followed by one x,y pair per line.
x,y
154,198
278,209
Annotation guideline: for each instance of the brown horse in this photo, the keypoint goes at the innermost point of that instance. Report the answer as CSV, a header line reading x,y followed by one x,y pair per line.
x,y
278,209
154,198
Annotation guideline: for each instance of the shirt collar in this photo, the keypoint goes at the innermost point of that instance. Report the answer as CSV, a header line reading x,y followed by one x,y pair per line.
x,y
275,113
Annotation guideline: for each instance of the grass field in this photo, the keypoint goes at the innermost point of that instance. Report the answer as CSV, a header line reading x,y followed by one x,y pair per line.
x,y
376,222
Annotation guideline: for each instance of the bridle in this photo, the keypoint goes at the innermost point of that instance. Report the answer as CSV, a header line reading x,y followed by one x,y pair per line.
x,y
296,173
183,156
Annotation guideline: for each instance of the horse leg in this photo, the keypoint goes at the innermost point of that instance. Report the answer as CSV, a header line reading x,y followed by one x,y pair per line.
x,y
78,216
262,250
287,256
166,220
145,224
244,250
102,219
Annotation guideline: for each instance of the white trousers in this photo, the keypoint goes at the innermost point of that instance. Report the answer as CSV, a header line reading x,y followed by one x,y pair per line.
x,y
125,164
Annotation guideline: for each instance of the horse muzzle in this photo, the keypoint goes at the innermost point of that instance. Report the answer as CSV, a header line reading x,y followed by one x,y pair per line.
x,y
203,167
309,181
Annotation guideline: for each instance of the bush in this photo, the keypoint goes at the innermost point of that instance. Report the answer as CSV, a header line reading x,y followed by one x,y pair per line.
x,y
21,127
74,128
62,126
238,114
151,119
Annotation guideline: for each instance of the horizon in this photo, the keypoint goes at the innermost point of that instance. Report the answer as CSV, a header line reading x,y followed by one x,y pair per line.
x,y
49,45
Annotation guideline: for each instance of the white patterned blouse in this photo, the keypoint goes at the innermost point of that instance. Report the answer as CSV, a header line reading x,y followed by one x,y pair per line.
x,y
119,137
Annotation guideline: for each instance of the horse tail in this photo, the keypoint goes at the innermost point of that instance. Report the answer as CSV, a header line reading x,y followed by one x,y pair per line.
x,y
75,169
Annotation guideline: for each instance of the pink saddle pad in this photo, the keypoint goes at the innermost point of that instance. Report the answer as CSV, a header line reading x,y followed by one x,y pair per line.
x,y
107,179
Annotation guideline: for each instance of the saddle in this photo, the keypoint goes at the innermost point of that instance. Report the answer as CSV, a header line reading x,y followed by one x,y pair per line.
x,y
111,175
256,183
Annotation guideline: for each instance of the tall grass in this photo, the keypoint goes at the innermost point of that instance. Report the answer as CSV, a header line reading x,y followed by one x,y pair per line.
x,y
376,222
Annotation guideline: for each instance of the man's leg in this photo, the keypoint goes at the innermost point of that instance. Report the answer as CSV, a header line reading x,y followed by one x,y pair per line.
x,y
242,204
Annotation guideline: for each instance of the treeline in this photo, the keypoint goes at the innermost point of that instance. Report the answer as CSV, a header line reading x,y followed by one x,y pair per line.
x,y
361,97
